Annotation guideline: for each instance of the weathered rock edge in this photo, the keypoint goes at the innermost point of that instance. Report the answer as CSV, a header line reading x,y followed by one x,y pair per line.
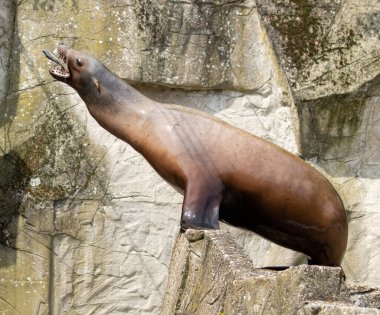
x,y
210,274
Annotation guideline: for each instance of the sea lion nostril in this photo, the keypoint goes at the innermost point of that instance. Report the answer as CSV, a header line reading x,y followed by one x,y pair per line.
x,y
62,49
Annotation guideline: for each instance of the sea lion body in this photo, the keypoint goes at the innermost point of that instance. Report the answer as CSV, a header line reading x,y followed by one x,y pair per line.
x,y
223,172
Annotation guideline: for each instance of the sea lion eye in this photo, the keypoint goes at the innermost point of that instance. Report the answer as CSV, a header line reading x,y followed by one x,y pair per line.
x,y
79,62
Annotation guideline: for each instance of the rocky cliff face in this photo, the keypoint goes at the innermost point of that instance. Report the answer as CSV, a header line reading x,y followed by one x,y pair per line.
x,y
86,226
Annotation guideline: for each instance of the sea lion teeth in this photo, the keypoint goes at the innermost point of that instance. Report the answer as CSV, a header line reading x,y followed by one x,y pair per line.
x,y
60,73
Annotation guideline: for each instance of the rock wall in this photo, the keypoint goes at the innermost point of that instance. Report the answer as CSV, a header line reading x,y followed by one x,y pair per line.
x,y
86,226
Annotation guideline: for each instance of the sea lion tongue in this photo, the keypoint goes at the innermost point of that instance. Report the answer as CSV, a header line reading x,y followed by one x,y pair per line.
x,y
60,70
50,56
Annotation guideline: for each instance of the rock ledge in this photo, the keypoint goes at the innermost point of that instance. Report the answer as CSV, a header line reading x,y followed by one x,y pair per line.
x,y
210,274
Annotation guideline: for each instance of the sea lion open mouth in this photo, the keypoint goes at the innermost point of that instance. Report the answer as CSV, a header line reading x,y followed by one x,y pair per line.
x,y
60,71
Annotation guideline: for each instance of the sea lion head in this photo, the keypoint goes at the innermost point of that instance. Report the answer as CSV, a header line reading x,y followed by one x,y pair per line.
x,y
77,69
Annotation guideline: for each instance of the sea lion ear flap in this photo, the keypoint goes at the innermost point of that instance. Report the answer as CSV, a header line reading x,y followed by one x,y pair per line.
x,y
97,84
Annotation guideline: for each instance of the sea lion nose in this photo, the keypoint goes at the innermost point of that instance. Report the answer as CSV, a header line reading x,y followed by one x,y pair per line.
x,y
62,48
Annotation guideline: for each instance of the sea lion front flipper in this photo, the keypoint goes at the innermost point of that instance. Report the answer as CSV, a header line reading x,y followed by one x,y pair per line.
x,y
200,209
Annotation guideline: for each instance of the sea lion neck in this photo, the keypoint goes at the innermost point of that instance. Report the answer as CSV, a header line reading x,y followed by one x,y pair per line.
x,y
109,99
106,91
114,103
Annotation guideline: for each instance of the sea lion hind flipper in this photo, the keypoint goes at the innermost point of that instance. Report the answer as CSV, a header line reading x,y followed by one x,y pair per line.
x,y
200,209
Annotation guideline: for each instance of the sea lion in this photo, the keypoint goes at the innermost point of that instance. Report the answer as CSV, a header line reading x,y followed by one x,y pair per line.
x,y
223,172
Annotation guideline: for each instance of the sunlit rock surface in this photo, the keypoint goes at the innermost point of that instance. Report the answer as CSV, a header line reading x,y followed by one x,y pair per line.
x,y
210,274
86,226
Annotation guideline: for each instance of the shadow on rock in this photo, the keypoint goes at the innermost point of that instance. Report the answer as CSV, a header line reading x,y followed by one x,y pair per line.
x,y
14,178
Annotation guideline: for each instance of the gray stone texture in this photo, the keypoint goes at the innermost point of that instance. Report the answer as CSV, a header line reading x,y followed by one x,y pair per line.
x,y
210,274
86,226
7,16
361,295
